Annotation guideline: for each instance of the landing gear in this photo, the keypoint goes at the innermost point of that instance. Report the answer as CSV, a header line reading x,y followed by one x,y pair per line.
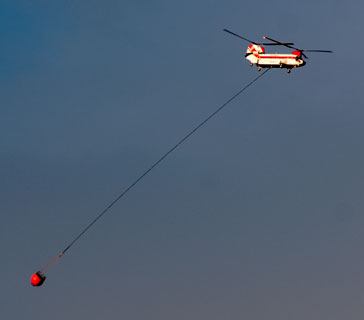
x,y
250,64
259,68
288,70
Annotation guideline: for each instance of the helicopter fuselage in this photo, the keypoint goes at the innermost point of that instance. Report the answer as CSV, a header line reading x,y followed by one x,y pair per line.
x,y
257,56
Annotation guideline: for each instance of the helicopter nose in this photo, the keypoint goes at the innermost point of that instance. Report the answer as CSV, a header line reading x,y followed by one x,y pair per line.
x,y
303,62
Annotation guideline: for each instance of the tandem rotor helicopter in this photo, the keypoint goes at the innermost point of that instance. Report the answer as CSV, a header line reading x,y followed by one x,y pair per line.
x,y
257,56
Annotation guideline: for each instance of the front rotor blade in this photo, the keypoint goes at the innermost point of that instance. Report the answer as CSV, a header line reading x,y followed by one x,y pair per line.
x,y
236,35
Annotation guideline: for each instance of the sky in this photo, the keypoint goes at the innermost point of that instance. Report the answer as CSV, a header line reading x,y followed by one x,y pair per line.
x,y
259,215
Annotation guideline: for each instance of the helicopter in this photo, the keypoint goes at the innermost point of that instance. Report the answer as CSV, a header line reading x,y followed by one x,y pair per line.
x,y
256,55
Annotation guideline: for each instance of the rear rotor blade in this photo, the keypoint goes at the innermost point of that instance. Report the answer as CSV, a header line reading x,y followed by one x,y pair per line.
x,y
300,50
276,44
288,45
264,44
328,51
308,50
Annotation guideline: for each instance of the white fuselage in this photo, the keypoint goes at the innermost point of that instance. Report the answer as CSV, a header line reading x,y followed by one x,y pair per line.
x,y
256,55
275,60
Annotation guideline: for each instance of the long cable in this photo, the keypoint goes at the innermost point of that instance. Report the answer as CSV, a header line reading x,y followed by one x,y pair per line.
x,y
123,193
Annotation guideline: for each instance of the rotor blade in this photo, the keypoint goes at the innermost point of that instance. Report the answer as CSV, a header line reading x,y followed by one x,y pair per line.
x,y
304,54
276,44
301,50
328,51
280,43
264,44
236,35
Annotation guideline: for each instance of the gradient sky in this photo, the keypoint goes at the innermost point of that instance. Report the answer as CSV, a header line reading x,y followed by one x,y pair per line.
x,y
258,216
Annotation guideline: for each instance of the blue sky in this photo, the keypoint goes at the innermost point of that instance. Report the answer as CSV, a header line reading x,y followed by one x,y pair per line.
x,y
259,215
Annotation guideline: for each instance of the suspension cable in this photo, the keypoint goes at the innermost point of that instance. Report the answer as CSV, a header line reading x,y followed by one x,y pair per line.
x,y
155,164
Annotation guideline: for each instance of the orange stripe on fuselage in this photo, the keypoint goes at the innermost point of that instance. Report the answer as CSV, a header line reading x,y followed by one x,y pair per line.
x,y
264,56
